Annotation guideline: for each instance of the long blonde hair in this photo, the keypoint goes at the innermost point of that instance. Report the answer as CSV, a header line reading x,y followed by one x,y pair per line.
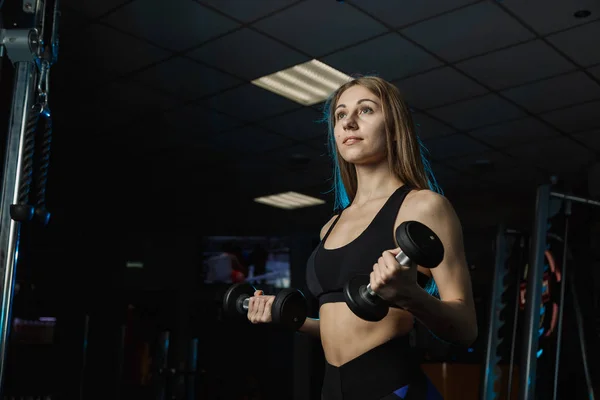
x,y
406,154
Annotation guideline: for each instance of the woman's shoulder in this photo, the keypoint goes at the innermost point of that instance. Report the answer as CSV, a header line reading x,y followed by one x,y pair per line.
x,y
425,199
425,205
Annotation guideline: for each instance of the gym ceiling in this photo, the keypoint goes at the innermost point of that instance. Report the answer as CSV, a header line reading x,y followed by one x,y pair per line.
x,y
157,121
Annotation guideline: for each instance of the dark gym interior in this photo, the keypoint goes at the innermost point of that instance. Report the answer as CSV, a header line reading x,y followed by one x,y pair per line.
x,y
161,143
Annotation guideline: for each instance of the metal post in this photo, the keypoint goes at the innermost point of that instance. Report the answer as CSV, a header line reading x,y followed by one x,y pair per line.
x,y
192,370
517,282
162,373
492,358
561,307
528,368
23,94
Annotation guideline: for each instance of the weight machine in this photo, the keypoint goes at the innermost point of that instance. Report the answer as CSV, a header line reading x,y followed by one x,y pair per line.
x,y
29,38
533,302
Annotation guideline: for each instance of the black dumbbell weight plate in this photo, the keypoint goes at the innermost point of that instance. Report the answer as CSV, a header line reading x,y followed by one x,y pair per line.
x,y
234,298
367,308
420,244
289,309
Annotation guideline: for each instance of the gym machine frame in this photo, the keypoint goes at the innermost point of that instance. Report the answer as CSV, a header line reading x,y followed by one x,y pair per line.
x,y
528,371
33,21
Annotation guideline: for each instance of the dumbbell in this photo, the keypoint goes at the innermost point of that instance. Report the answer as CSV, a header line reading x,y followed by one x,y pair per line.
x,y
418,245
289,308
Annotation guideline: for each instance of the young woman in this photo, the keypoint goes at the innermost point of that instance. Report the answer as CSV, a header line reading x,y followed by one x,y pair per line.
x,y
381,181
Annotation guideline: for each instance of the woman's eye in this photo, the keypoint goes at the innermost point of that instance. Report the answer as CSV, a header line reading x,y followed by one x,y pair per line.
x,y
364,110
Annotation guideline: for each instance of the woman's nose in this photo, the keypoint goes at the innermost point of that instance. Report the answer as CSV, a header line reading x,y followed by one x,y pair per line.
x,y
349,122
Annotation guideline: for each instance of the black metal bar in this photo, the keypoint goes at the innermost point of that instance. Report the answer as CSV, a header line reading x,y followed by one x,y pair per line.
x,y
561,305
513,336
496,305
22,101
21,45
528,368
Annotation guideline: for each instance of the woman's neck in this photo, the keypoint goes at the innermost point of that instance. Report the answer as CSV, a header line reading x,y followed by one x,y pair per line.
x,y
374,182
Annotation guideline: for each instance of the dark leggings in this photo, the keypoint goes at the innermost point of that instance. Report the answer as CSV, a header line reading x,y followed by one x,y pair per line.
x,y
387,372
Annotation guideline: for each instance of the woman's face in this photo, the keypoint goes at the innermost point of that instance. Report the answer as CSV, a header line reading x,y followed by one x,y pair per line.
x,y
359,126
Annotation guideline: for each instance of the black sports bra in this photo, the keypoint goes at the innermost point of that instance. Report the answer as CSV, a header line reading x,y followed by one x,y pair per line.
x,y
329,269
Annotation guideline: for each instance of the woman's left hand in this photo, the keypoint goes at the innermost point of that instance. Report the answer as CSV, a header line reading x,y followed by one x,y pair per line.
x,y
391,281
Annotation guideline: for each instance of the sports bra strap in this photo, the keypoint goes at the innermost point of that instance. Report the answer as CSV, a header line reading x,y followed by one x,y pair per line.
x,y
331,227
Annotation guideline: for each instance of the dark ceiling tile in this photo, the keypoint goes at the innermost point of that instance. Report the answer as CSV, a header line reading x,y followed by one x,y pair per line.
x,y
398,13
595,71
135,98
299,125
578,118
453,146
71,21
250,103
555,92
590,139
200,121
580,44
516,65
477,112
318,33
428,128
547,16
297,156
247,11
72,73
247,140
186,78
392,55
247,54
468,32
514,132
438,87
91,8
154,21
112,50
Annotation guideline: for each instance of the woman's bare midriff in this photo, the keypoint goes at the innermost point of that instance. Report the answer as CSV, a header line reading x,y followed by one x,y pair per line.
x,y
345,336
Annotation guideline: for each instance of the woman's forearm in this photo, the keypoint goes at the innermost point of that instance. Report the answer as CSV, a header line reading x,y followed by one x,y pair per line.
x,y
311,327
451,321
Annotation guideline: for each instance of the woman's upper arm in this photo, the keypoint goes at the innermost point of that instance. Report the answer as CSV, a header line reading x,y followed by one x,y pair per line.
x,y
452,275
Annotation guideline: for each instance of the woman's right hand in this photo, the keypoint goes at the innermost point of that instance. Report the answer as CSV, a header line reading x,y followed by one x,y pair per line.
x,y
259,308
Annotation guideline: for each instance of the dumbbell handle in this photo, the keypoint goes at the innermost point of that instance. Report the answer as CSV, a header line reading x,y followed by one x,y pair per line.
x,y
402,260
246,303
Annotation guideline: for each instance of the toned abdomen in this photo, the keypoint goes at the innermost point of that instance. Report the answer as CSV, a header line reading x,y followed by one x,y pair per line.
x,y
345,336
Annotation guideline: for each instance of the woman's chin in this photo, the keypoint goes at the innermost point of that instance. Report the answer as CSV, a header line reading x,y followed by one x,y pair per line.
x,y
363,160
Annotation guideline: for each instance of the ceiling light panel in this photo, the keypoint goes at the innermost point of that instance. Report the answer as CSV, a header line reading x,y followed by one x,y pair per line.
x,y
308,83
289,200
